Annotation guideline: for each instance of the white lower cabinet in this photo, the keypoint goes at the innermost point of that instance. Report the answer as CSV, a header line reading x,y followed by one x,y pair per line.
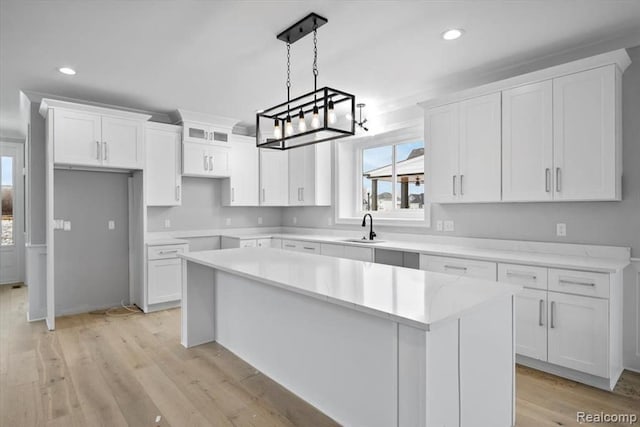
x,y
301,246
578,333
531,323
164,273
346,251
229,242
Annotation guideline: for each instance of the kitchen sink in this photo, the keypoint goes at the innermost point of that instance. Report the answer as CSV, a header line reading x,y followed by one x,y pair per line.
x,y
369,242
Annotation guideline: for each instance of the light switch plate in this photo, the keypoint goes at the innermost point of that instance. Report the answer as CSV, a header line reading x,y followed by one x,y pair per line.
x,y
111,224
167,223
67,226
439,225
448,225
561,229
259,220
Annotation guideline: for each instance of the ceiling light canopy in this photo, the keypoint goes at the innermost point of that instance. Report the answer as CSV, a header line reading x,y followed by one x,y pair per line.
x,y
67,70
452,34
331,111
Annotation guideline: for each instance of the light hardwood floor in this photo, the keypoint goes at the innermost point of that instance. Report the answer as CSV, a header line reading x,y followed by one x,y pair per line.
x,y
128,369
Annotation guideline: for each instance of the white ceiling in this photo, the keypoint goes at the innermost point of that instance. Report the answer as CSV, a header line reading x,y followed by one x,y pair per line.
x,y
222,57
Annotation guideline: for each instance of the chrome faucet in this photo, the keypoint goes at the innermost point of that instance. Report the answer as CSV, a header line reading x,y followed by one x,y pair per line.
x,y
372,234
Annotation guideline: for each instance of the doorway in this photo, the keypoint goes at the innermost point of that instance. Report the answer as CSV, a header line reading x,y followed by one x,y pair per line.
x,y
12,239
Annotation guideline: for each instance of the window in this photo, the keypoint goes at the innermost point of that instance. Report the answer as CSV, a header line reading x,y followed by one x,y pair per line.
x,y
383,175
6,179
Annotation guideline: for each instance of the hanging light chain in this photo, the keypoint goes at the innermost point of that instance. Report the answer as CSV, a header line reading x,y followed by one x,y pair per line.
x,y
288,75
315,58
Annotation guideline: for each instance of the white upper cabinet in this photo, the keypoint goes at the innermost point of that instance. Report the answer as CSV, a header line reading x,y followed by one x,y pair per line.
x,y
463,142
163,164
200,132
527,142
205,160
243,186
95,137
310,175
274,177
441,141
479,175
587,140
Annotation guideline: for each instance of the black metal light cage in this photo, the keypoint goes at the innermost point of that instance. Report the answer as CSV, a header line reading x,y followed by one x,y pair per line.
x,y
332,125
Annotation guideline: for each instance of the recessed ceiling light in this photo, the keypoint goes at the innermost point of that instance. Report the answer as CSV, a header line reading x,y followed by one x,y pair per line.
x,y
68,71
452,34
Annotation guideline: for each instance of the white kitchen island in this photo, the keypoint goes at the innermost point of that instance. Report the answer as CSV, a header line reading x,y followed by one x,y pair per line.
x,y
368,344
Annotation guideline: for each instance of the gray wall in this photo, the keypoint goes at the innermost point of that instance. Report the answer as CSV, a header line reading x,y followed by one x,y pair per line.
x,y
92,262
605,223
201,209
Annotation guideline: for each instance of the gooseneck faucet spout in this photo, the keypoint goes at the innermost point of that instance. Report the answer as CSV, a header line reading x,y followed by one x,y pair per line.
x,y
372,234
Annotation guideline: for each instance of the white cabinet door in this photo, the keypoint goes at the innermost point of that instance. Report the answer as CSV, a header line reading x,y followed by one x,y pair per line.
x,y
300,166
578,337
218,161
527,142
123,143
357,253
442,143
332,249
584,133
243,186
531,323
195,159
165,280
274,177
480,149
163,160
77,138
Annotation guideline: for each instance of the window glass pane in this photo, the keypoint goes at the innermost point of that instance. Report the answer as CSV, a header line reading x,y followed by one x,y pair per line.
x,y
376,179
410,175
6,166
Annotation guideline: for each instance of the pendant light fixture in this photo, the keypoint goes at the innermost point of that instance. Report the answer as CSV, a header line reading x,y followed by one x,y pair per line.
x,y
331,110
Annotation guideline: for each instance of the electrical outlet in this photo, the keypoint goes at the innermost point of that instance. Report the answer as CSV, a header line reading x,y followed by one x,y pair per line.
x,y
561,229
228,221
67,226
58,224
259,220
439,225
111,224
294,220
448,225
167,223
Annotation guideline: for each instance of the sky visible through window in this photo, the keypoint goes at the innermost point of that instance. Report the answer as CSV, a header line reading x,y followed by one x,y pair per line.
x,y
7,171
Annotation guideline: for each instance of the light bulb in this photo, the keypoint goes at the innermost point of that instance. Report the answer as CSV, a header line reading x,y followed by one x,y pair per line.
x,y
277,131
302,125
315,120
331,113
349,117
288,127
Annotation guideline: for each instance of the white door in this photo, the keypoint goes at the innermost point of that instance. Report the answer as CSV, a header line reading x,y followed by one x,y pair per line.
x,y
578,337
77,138
12,241
274,177
123,143
527,142
163,175
531,323
584,135
442,145
165,280
244,167
480,149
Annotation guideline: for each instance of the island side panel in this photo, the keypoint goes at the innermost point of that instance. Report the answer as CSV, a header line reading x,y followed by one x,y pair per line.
x,y
198,304
487,365
342,361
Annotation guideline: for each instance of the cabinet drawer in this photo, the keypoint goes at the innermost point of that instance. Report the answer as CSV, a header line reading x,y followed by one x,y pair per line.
x,y
579,282
458,266
301,246
165,251
251,243
525,275
263,243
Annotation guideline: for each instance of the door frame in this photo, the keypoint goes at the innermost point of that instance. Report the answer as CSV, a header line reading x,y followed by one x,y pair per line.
x,y
16,149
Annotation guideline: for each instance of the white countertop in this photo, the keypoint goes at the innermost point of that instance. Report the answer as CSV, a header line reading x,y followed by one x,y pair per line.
x,y
574,262
413,297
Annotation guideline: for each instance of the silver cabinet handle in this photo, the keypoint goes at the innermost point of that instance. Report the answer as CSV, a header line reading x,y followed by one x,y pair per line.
x,y
454,185
106,150
461,185
518,274
206,165
541,307
173,251
302,194
98,150
264,199
573,282
558,175
289,246
547,180
552,324
455,267
177,193
308,248
210,163
233,194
